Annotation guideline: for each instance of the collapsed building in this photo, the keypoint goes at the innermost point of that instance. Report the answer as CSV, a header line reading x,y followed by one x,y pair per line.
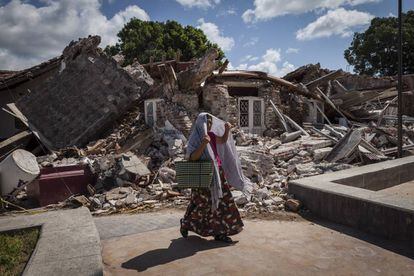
x,y
361,98
246,99
69,110
113,133
15,84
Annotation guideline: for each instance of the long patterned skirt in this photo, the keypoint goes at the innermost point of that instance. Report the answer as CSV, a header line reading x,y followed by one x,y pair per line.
x,y
201,219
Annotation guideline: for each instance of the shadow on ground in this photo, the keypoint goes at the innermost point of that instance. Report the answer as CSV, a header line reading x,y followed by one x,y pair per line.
x,y
179,249
398,247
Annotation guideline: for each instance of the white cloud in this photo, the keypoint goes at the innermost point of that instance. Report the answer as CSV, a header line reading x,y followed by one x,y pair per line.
x,y
198,3
286,68
267,9
292,51
335,22
359,2
231,11
270,63
226,12
272,55
242,66
214,34
30,34
246,58
253,41
249,58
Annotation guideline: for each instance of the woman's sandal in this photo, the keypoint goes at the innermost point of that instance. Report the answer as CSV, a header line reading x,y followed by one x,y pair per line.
x,y
223,238
184,232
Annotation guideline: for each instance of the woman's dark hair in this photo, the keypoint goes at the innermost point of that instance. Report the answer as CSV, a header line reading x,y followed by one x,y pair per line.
x,y
209,118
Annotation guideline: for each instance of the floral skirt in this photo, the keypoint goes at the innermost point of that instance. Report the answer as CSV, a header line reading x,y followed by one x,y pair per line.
x,y
201,219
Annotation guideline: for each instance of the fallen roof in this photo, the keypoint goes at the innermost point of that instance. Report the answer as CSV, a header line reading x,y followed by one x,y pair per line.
x,y
258,75
8,79
79,102
5,74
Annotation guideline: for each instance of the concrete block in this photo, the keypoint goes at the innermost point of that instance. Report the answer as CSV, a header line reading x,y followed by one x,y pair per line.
x,y
319,154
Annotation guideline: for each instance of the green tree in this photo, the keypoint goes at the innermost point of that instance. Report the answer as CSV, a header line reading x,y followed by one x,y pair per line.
x,y
142,39
374,52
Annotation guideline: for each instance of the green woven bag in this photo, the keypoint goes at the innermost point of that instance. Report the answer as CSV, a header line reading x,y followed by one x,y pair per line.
x,y
194,174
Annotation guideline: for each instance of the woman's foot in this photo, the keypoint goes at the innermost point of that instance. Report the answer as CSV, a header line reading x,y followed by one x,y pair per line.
x,y
223,238
183,231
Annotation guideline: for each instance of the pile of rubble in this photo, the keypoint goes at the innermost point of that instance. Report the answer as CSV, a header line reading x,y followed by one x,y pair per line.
x,y
89,120
124,181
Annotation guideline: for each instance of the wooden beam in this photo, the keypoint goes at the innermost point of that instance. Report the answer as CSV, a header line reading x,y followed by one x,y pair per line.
x,y
323,115
314,129
280,116
333,75
17,141
394,150
339,88
264,76
224,66
295,125
334,132
17,113
381,115
367,145
332,104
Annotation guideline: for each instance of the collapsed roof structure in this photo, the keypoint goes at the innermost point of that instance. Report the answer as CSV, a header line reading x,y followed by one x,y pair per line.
x,y
71,110
15,84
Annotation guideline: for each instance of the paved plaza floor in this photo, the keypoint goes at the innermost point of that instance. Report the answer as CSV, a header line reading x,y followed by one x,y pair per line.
x,y
264,247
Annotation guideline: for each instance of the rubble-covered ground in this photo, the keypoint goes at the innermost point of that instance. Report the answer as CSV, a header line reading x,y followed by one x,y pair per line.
x,y
268,162
133,164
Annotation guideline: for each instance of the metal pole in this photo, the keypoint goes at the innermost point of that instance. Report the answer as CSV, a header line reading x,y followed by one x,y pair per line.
x,y
400,78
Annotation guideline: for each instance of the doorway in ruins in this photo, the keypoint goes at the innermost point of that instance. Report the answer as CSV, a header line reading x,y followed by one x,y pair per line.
x,y
152,111
250,107
251,115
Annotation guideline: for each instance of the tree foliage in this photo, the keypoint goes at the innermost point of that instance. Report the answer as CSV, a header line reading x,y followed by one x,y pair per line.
x,y
375,51
142,39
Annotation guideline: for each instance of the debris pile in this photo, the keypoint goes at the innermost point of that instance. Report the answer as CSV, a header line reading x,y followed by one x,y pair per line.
x,y
109,136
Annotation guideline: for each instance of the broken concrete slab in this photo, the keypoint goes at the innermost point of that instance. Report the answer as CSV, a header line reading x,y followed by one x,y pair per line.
x,y
191,79
320,154
345,146
239,198
133,165
305,168
82,100
289,137
118,193
316,144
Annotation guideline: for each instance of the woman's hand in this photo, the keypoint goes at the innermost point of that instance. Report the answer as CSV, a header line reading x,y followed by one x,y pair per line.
x,y
223,139
206,139
195,155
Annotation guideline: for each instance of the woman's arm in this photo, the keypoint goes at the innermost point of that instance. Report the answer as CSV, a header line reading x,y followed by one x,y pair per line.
x,y
223,139
195,155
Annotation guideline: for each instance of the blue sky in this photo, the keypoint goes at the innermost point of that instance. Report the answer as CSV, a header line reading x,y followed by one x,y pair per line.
x,y
256,34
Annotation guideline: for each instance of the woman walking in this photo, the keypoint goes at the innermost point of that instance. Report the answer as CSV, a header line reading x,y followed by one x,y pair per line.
x,y
212,212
